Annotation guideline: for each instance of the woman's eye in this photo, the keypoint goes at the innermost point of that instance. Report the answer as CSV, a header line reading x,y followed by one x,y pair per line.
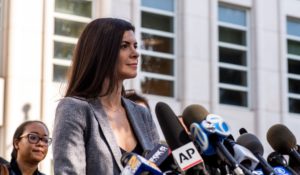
x,y
124,46
34,137
45,140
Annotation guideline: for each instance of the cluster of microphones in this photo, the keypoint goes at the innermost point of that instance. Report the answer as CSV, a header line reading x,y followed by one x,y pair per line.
x,y
208,148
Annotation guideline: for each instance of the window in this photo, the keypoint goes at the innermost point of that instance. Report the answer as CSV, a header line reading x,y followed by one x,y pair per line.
x,y
233,58
157,50
293,64
70,18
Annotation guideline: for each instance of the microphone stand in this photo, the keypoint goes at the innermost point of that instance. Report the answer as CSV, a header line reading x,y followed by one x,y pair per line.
x,y
237,169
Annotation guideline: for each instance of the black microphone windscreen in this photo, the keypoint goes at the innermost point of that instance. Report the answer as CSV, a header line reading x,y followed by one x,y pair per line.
x,y
276,159
251,142
243,131
194,113
173,131
281,138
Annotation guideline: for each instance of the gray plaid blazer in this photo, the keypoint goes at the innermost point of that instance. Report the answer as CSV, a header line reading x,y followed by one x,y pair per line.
x,y
84,142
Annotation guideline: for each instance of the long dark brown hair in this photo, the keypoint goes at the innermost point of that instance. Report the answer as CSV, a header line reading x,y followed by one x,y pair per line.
x,y
95,57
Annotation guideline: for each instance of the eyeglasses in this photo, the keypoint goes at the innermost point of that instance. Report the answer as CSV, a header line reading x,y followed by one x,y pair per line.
x,y
34,139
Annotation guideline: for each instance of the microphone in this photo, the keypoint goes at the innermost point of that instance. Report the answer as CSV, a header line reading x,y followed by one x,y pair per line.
x,y
194,113
277,159
209,132
159,153
184,151
137,165
293,163
242,131
161,156
203,125
251,142
282,140
242,154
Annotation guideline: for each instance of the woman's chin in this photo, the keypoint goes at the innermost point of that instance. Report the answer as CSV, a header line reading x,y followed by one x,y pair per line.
x,y
38,157
129,76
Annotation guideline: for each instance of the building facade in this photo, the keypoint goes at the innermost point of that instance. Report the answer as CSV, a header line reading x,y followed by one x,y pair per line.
x,y
238,58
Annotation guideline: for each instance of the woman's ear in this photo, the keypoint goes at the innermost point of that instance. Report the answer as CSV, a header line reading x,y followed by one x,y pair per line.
x,y
16,144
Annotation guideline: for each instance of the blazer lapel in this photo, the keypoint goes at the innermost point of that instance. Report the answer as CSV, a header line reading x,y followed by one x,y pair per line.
x,y
102,119
136,123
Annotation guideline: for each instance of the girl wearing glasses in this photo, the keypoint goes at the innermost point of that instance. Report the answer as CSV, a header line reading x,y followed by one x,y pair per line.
x,y
30,147
94,123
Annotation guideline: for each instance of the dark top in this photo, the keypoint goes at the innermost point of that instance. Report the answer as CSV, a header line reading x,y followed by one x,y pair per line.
x,y
3,161
13,169
137,150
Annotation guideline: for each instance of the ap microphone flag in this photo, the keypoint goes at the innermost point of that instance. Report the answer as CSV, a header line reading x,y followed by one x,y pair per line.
x,y
187,156
183,149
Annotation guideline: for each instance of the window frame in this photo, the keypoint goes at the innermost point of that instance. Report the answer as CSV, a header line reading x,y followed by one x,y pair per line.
x,y
66,39
167,56
246,49
290,95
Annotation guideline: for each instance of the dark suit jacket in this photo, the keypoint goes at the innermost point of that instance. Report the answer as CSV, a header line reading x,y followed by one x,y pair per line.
x,y
84,142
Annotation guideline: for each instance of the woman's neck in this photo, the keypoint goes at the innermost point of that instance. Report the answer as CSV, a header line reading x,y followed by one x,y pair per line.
x,y
27,168
112,100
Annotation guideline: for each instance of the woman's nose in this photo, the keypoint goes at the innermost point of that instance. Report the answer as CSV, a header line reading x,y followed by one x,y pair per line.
x,y
135,53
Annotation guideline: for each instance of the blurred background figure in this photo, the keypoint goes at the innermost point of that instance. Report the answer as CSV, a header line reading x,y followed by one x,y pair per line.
x,y
132,95
30,146
3,161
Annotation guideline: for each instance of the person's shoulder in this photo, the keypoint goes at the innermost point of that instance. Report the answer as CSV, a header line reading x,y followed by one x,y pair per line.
x,y
3,161
75,104
4,169
73,101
